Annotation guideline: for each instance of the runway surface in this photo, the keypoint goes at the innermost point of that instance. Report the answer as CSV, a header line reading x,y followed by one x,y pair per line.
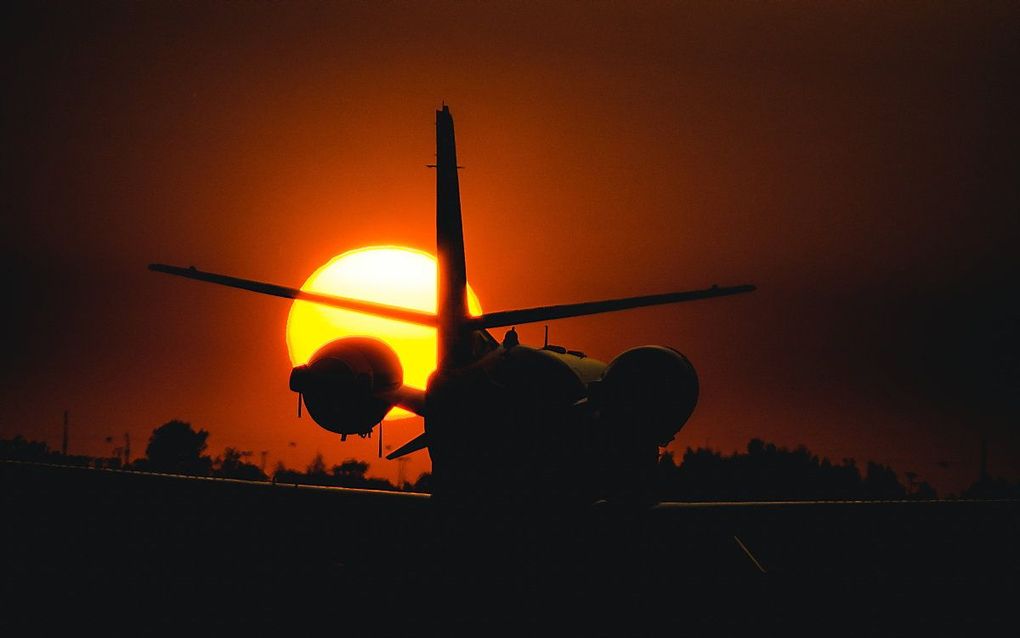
x,y
94,547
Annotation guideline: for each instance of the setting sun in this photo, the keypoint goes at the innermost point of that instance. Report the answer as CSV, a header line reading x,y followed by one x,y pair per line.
x,y
392,275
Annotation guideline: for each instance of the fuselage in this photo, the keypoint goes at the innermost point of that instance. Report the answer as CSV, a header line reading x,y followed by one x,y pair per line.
x,y
516,421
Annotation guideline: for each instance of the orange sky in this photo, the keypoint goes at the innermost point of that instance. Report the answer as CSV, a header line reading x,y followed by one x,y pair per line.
x,y
857,163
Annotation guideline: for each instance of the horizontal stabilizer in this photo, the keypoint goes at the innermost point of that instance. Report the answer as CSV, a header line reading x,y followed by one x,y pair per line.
x,y
545,313
419,442
345,303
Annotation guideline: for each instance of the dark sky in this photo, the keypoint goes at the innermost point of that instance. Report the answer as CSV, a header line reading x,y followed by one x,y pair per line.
x,y
858,163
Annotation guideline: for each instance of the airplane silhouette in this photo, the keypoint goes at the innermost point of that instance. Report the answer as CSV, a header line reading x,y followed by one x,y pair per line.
x,y
541,423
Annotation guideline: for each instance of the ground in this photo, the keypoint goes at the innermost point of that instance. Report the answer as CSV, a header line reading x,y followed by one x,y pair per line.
x,y
150,553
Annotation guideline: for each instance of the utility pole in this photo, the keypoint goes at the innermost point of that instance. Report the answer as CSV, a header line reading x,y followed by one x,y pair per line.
x,y
127,448
63,446
264,453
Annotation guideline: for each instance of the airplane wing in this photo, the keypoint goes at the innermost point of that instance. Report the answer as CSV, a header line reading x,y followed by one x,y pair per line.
x,y
562,311
346,303
487,320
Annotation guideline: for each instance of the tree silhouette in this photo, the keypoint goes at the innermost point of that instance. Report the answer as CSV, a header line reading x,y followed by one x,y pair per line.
x,y
881,482
423,484
233,465
20,449
317,468
176,447
989,487
351,471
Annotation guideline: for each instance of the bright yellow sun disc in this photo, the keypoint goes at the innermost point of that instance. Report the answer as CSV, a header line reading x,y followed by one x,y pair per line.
x,y
391,275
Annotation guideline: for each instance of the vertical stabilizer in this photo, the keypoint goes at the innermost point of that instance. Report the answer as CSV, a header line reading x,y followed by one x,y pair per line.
x,y
451,288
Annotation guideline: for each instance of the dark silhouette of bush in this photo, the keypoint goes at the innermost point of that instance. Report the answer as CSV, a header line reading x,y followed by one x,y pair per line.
x,y
317,468
349,473
233,465
881,483
423,484
21,449
350,470
992,488
175,447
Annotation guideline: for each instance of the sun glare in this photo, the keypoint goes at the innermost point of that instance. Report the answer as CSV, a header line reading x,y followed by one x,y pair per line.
x,y
391,275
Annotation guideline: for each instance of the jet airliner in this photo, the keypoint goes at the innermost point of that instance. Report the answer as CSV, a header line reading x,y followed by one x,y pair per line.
x,y
545,423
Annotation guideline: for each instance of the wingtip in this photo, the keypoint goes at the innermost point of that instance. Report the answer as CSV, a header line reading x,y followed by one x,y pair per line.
x,y
729,290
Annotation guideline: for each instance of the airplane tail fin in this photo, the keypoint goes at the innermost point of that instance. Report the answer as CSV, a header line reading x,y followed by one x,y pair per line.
x,y
451,306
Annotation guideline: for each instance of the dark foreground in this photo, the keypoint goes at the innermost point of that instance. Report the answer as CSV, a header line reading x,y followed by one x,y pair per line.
x,y
137,553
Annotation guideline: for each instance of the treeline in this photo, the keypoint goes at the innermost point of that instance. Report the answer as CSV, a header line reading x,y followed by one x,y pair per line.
x,y
764,472
159,457
768,472
349,473
21,449
177,448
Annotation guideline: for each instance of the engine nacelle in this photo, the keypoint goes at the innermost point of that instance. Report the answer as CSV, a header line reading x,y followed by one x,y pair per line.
x,y
652,389
341,382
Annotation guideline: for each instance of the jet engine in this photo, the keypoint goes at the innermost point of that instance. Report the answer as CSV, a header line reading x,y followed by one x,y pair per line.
x,y
651,390
344,382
